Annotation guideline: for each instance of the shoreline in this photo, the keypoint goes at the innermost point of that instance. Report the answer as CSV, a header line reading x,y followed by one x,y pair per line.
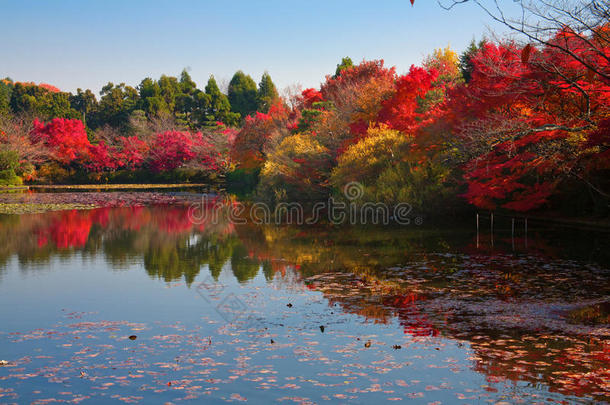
x,y
8,207
599,224
123,186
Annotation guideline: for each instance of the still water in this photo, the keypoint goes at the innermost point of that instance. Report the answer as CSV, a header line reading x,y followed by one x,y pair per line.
x,y
139,305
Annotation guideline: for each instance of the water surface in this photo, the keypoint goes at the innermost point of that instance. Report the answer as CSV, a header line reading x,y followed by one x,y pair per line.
x,y
140,305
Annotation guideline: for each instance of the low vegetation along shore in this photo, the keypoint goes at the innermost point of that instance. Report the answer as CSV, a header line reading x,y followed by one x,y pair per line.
x,y
116,186
13,200
27,203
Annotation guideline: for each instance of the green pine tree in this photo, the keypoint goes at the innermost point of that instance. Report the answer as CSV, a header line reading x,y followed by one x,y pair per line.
x,y
466,59
243,94
217,106
267,93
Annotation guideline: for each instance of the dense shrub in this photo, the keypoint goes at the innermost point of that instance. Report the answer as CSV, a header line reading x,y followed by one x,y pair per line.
x,y
9,163
296,170
67,138
388,171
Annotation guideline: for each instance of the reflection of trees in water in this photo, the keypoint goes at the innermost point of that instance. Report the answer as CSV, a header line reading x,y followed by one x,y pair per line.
x,y
163,238
160,235
316,249
183,258
172,261
570,364
565,364
244,268
17,237
219,252
408,274
413,294
120,246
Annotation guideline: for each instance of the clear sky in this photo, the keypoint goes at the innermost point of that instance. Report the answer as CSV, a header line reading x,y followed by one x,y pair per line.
x,y
86,44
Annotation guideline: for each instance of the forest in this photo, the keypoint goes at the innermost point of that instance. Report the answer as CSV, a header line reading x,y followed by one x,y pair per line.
x,y
501,125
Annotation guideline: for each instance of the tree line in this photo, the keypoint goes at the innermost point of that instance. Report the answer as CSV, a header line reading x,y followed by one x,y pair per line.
x,y
505,124
169,96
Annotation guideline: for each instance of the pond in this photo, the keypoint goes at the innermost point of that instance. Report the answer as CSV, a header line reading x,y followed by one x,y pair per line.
x,y
141,305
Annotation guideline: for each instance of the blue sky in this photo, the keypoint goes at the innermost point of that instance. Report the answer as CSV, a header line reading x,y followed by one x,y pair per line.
x,y
85,44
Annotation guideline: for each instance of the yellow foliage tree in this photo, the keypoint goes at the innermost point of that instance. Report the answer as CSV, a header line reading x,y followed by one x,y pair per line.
x,y
390,172
297,169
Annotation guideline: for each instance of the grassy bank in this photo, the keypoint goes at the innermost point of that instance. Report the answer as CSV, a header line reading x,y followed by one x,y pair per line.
x,y
37,202
37,208
115,186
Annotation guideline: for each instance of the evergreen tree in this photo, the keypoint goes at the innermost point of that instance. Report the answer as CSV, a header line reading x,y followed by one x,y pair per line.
x,y
216,106
150,99
24,98
6,87
170,90
116,104
185,100
267,93
242,94
346,63
46,104
187,85
466,57
83,102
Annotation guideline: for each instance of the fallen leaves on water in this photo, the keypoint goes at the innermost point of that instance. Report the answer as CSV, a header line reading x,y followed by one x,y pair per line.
x,y
30,203
35,208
